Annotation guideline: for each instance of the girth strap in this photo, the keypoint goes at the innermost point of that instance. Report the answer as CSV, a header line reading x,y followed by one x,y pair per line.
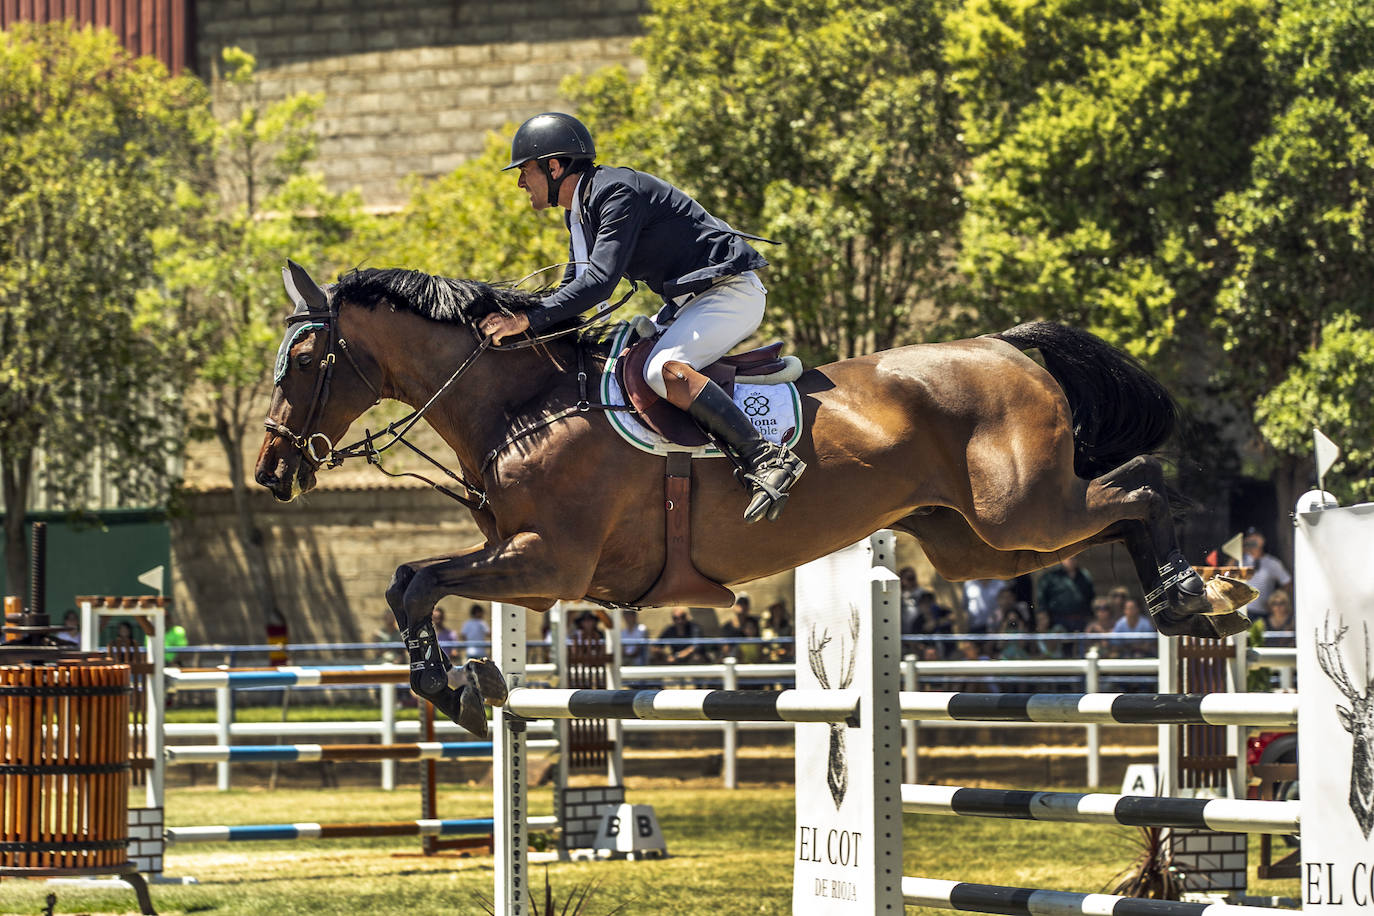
x,y
680,582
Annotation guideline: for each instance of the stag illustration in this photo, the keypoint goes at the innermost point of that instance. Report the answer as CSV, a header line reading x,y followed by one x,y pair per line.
x,y
837,771
1358,719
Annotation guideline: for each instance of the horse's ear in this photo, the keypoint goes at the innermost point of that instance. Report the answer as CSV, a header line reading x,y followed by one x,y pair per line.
x,y
305,293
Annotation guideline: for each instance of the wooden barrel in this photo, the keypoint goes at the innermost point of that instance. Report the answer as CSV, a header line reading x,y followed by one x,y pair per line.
x,y
64,767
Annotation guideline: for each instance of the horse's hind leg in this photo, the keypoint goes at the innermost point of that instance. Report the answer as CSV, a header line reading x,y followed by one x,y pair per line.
x,y
1176,597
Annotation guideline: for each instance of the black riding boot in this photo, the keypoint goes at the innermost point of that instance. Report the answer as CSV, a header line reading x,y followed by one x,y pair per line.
x,y
769,470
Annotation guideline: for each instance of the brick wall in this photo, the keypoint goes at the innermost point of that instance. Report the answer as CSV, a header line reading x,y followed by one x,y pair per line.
x,y
331,554
414,86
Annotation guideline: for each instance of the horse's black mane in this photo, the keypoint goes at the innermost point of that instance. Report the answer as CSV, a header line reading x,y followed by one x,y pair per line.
x,y
440,298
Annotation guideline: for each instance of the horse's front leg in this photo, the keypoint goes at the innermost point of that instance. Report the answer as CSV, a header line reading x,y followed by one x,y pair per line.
x,y
504,572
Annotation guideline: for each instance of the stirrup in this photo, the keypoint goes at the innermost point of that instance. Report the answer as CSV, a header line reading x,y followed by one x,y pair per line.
x,y
770,479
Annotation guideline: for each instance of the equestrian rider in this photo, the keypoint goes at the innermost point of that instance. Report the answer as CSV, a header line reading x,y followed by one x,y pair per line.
x,y
625,223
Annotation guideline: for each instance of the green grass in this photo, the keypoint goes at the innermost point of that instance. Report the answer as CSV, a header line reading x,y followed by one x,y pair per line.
x,y
731,855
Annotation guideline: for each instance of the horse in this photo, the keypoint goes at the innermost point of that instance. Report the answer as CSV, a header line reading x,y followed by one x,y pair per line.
x,y
995,464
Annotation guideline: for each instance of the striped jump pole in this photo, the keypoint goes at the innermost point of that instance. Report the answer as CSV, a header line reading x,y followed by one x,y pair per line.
x,y
722,705
421,750
288,676
1231,815
1269,710
309,831
1023,901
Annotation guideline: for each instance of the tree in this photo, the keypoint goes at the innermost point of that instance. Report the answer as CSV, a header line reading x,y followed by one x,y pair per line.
x,y
826,125
475,223
1298,302
93,143
1104,134
255,205
1332,388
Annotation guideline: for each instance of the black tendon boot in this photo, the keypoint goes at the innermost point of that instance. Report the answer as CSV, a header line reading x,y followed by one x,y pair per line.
x,y
769,470
453,693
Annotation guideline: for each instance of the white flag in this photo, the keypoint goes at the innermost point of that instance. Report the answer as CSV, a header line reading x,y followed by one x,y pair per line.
x,y
1327,452
153,578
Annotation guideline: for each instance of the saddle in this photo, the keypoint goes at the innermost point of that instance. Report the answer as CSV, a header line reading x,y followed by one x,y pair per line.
x,y
762,366
680,583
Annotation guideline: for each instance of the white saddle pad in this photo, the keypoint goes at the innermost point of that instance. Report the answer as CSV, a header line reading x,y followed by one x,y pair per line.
x,y
774,409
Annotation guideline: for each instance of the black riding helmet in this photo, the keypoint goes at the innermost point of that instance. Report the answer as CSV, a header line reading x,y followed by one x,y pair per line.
x,y
552,135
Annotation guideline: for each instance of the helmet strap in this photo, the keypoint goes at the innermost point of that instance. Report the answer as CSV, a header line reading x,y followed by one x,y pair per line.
x,y
554,183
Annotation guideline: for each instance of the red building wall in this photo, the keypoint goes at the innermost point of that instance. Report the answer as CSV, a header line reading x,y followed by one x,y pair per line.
x,y
161,28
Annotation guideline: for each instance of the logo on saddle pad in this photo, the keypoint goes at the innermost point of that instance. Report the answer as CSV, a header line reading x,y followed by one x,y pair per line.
x,y
775,409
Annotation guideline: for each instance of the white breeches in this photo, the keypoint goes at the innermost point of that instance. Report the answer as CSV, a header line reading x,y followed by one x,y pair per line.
x,y
708,327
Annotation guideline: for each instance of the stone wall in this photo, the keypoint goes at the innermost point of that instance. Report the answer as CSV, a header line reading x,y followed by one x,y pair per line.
x,y
412,87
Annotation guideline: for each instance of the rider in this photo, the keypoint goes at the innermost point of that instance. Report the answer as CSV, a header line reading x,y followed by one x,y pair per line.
x,y
625,223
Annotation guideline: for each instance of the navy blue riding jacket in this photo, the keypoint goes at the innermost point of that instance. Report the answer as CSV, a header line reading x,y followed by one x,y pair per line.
x,y
641,227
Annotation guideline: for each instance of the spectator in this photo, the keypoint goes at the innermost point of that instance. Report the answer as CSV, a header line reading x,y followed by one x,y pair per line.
x,y
125,635
1011,625
443,634
71,628
1050,648
933,619
676,651
1066,591
909,590
586,630
1103,623
1118,596
749,650
777,625
1269,574
734,627
387,634
634,638
1007,608
476,633
980,601
1133,621
1280,620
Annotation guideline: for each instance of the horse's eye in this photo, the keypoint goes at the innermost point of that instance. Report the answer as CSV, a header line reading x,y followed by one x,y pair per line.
x,y
304,359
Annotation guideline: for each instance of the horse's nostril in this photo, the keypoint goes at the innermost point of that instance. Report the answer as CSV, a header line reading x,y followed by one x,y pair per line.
x,y
266,478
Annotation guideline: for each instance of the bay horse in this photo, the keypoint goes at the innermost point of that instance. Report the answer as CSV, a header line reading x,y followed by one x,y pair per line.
x,y
996,465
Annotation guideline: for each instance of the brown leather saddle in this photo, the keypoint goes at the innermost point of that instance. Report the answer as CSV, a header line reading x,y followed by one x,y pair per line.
x,y
680,583
667,420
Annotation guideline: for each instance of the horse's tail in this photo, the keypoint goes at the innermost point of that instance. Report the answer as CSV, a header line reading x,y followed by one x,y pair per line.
x,y
1119,410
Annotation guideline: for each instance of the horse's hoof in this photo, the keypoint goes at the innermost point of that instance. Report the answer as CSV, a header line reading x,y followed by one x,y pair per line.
x,y
1204,626
485,678
1225,594
472,715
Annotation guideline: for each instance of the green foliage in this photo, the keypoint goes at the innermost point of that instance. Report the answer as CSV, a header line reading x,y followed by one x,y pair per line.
x,y
93,143
1103,132
825,125
1301,227
474,223
255,207
1331,387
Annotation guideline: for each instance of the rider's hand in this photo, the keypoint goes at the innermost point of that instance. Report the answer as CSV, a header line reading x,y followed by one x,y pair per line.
x,y
498,326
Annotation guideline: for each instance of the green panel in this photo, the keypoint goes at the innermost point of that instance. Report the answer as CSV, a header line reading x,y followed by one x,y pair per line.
x,y
101,557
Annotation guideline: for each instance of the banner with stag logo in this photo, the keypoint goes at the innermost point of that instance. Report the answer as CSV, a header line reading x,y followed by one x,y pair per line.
x,y
847,847
1334,577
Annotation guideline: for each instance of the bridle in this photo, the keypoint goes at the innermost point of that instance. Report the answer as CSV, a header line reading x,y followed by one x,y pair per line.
x,y
330,456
